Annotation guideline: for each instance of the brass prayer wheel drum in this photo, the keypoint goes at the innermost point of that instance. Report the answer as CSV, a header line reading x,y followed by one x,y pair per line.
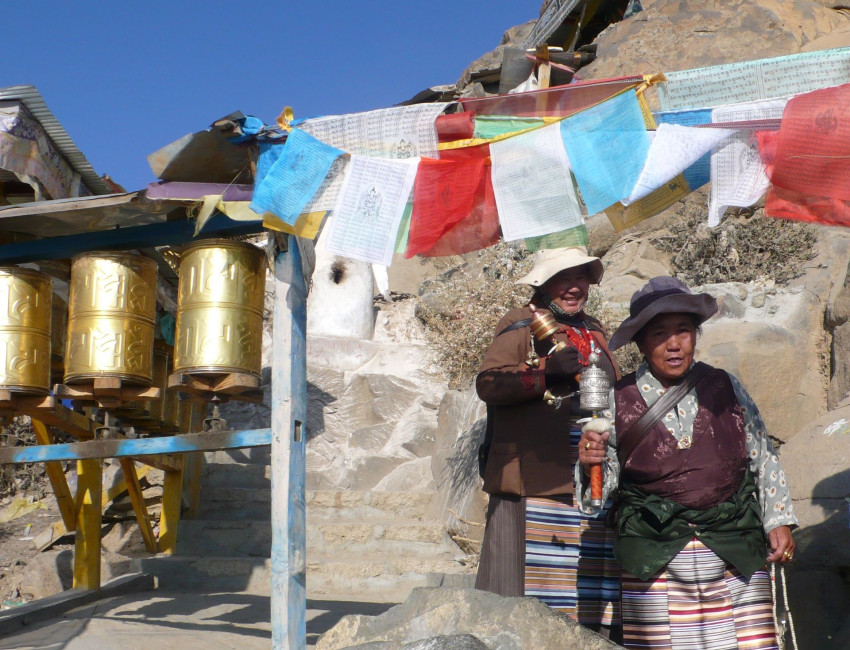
x,y
111,313
25,312
220,308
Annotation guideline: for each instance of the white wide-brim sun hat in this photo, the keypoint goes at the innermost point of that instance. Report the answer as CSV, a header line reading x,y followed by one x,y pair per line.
x,y
551,261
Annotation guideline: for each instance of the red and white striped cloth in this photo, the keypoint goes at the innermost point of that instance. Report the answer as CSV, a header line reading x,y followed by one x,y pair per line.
x,y
698,603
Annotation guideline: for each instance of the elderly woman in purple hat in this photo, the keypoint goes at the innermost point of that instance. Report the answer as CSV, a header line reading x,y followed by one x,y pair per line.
x,y
703,504
536,542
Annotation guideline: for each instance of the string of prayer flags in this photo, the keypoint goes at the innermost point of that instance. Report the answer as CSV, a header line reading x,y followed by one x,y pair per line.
x,y
532,184
699,173
558,101
748,81
443,195
737,172
673,150
607,145
397,133
365,220
293,179
809,159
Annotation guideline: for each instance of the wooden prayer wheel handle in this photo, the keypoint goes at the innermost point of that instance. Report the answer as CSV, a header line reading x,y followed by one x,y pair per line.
x,y
596,485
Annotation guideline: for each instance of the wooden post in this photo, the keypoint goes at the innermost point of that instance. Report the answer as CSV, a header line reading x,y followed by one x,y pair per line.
x,y
289,410
134,489
192,463
57,479
89,517
169,516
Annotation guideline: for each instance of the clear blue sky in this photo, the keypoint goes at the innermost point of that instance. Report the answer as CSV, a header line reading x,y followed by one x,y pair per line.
x,y
124,79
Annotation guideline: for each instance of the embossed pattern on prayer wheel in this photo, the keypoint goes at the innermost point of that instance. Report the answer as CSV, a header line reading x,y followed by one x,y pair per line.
x,y
220,308
111,311
25,310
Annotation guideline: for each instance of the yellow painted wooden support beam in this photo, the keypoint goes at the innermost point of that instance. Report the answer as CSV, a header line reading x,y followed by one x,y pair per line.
x,y
191,420
172,500
138,501
164,462
89,519
49,536
56,474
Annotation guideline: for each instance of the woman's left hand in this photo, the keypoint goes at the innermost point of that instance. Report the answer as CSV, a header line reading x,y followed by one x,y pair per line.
x,y
781,545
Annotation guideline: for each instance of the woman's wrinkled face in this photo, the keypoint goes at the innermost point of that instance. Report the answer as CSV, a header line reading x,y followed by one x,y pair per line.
x,y
569,288
668,342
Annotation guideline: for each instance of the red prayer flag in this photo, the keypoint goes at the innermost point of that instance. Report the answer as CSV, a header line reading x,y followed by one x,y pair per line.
x,y
455,126
813,152
443,195
479,229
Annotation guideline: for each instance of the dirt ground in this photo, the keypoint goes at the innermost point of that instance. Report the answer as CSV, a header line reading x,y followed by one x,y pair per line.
x,y
28,574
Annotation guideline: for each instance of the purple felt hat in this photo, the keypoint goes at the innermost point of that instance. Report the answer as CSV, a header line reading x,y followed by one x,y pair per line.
x,y
661,295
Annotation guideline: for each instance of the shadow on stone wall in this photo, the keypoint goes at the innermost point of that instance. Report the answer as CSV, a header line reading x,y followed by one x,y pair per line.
x,y
819,579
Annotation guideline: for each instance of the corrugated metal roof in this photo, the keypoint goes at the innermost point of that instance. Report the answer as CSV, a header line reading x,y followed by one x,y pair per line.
x,y
34,102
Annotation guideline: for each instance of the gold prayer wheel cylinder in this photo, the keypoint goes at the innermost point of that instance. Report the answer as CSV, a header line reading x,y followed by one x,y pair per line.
x,y
111,312
25,313
220,308
543,325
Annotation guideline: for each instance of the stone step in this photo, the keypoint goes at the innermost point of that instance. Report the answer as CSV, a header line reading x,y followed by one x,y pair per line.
x,y
360,505
241,501
243,574
375,580
230,475
206,537
232,503
247,456
387,580
252,538
400,538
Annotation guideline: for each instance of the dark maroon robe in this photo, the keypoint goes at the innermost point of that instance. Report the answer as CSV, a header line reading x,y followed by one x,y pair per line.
x,y
703,475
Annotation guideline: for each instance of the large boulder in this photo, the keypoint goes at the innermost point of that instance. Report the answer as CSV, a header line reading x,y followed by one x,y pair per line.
x,y
497,622
683,34
817,465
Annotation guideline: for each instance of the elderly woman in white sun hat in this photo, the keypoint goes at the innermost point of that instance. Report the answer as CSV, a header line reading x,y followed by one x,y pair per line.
x,y
536,542
703,502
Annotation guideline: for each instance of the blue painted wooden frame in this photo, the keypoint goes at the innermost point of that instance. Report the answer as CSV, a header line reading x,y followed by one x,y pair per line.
x,y
288,453
137,446
165,233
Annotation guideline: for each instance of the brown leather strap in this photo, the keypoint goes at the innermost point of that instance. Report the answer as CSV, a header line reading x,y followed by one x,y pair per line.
x,y
636,434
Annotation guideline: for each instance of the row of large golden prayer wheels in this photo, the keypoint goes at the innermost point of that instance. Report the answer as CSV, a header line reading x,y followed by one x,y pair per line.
x,y
112,313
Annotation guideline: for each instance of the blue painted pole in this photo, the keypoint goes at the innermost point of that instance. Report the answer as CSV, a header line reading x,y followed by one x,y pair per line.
x,y
289,413
136,446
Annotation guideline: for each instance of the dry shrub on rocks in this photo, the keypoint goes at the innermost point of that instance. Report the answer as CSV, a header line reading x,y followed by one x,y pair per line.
x,y
18,432
461,307
746,246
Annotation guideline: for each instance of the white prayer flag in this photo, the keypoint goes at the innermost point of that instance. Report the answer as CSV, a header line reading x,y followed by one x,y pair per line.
x,y
364,222
534,191
673,149
397,133
737,172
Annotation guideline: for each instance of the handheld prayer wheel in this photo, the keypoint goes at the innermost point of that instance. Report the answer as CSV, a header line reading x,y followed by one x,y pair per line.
x,y
25,313
220,308
594,391
111,312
